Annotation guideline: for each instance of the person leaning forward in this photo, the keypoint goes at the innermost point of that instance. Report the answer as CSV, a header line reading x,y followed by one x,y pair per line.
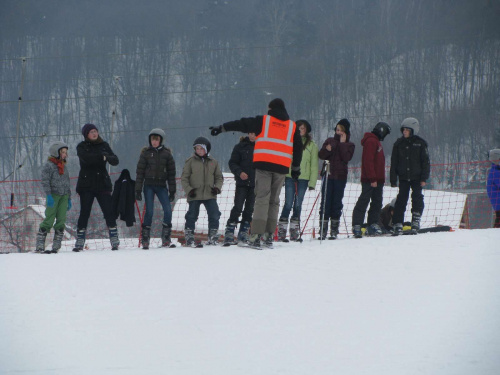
x,y
277,147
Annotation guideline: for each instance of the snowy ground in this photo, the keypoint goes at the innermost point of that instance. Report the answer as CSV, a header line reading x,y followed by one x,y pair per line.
x,y
426,304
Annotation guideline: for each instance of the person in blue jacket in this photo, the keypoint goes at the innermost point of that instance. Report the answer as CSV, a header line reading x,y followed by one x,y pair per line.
x,y
493,184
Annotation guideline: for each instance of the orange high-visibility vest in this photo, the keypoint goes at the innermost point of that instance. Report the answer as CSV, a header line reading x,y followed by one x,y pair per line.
x,y
274,144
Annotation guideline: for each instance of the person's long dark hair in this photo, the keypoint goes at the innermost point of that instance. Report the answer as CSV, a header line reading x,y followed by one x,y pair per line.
x,y
307,135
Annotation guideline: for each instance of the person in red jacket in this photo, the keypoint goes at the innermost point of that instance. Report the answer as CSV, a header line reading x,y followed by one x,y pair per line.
x,y
372,181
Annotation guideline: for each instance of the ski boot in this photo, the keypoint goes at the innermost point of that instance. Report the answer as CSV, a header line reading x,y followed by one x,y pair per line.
x,y
267,240
40,240
415,222
243,232
356,230
397,229
56,243
213,237
229,234
282,227
334,229
145,236
113,238
80,239
373,230
323,229
166,232
294,229
189,236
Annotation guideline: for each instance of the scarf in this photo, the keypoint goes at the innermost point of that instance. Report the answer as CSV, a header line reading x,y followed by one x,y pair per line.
x,y
59,163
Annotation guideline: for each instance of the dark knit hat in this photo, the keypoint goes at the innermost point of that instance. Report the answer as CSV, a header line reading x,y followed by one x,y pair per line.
x,y
305,123
276,104
87,128
346,124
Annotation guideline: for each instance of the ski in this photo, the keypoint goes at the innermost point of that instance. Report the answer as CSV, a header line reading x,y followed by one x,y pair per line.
x,y
246,244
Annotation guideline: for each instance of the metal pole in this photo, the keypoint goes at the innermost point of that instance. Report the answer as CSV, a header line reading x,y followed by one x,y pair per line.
x,y
113,114
20,100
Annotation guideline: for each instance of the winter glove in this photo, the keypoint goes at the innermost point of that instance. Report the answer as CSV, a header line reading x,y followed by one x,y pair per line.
x,y
138,195
311,187
295,173
215,130
171,197
192,193
215,190
69,204
50,201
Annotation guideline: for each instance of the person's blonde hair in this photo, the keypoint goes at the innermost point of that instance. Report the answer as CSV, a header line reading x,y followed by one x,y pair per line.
x,y
340,127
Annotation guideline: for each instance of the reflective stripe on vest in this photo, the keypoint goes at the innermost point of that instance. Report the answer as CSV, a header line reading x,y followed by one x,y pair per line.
x,y
274,144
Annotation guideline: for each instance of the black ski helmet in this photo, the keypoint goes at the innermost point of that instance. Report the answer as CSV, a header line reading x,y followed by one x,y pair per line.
x,y
203,141
382,129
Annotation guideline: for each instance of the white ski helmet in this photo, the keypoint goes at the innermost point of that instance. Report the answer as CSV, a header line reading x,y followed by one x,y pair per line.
x,y
412,124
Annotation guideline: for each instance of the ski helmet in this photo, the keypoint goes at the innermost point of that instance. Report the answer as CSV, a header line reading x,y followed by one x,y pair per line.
x,y
412,124
203,141
56,147
494,156
159,133
382,129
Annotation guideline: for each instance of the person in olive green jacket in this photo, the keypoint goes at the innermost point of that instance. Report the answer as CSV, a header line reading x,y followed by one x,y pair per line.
x,y
202,180
295,189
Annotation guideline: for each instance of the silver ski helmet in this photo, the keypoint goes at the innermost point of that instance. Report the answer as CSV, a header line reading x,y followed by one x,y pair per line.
x,y
158,132
412,124
56,147
494,156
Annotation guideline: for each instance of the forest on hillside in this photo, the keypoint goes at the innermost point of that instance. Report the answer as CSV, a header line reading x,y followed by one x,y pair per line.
x,y
131,66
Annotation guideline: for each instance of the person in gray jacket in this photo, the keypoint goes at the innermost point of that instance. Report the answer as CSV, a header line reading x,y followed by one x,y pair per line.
x,y
410,163
56,186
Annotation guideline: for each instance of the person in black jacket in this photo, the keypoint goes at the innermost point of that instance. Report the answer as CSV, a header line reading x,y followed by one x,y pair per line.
x,y
241,165
156,169
94,183
124,198
277,148
410,163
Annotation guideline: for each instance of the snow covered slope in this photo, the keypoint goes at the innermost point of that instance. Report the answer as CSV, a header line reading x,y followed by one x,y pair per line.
x,y
426,304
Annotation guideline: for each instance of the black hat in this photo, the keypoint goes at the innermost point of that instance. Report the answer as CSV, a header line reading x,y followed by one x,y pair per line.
x,y
276,104
304,122
204,142
346,124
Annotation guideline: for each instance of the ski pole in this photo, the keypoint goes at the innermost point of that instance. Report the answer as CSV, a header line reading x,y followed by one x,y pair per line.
x,y
327,162
345,223
310,213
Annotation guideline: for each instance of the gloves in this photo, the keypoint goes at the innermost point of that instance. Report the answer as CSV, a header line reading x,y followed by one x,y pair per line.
x,y
138,195
215,190
171,197
295,173
69,204
192,193
215,130
311,187
50,201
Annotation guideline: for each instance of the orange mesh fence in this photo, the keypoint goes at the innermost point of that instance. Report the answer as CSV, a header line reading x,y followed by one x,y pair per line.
x,y
455,195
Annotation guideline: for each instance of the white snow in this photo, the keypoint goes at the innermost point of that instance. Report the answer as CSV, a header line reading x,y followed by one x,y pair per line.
x,y
426,304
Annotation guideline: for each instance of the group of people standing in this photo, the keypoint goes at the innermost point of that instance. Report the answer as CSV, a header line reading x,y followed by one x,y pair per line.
x,y
276,152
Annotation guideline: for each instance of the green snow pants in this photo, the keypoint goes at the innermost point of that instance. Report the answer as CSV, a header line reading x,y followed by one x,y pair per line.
x,y
56,213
